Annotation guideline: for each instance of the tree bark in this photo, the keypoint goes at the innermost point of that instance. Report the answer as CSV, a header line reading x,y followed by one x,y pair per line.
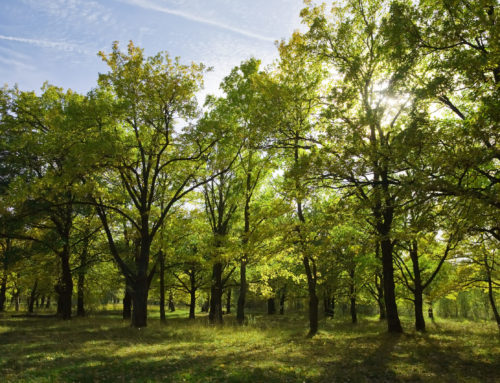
x,y
192,293
354,316
127,303
380,297
206,305
171,304
271,306
282,301
329,305
418,288
240,310
352,294
192,304
65,285
313,298
142,280
379,285
228,301
163,317
391,308
17,297
32,297
3,291
80,307
215,313
140,290
491,295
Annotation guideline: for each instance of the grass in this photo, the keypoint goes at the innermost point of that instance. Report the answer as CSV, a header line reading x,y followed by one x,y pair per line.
x,y
104,348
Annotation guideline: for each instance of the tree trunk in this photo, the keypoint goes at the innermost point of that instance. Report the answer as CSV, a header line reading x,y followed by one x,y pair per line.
x,y
391,308
140,301
354,316
171,305
352,294
206,305
127,303
430,312
329,304
192,293
313,298
282,301
310,273
32,297
3,285
215,313
240,310
17,298
47,305
418,288
419,311
162,287
141,281
3,291
192,304
80,307
380,298
271,306
491,295
228,301
66,284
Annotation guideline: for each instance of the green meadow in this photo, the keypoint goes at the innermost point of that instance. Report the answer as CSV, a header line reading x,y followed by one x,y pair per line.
x,y
104,348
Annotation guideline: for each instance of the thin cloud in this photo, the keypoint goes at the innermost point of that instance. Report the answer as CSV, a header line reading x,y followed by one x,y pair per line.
x,y
16,64
154,7
45,43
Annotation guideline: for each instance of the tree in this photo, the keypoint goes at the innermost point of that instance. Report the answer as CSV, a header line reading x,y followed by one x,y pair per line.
x,y
48,135
221,202
244,102
420,254
154,162
293,99
369,105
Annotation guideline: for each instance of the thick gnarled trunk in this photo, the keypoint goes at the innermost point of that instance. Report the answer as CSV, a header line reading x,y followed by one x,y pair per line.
x,y
140,290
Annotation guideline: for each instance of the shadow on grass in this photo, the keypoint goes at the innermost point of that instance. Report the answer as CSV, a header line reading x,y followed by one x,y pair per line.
x,y
269,350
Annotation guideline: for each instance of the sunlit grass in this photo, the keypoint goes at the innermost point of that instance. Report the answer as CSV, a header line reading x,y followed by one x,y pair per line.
x,y
270,349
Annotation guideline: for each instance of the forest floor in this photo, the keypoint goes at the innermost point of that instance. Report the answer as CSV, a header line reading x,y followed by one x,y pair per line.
x,y
103,348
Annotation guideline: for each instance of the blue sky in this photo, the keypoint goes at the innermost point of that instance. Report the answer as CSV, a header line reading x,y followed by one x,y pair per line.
x,y
58,40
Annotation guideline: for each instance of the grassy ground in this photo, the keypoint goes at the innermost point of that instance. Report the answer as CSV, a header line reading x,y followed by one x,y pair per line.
x,y
269,349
